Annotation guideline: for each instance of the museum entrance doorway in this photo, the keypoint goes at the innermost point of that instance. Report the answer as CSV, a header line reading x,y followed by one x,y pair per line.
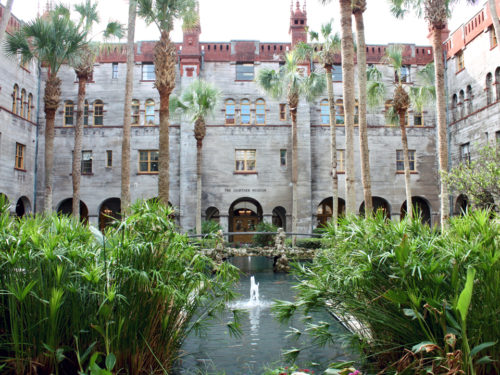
x,y
244,215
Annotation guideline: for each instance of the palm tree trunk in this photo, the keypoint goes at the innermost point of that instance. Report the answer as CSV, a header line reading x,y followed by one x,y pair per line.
x,y
127,115
437,46
5,18
348,86
76,169
51,100
406,161
164,164
333,147
293,104
496,22
363,131
199,146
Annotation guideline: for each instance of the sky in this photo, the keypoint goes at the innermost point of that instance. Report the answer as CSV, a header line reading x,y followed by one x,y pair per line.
x,y
268,20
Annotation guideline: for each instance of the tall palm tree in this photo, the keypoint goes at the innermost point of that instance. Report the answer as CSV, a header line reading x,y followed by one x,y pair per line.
x,y
290,81
436,13
127,115
328,49
53,41
197,102
358,8
418,97
5,18
163,13
84,67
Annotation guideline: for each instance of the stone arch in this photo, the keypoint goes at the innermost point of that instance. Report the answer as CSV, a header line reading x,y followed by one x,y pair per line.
x,y
497,82
109,211
212,213
65,208
461,204
378,204
23,206
244,215
489,83
421,206
324,211
279,217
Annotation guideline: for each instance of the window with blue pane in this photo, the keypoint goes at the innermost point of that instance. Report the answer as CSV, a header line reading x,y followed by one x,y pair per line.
x,y
245,112
230,112
325,112
337,73
260,112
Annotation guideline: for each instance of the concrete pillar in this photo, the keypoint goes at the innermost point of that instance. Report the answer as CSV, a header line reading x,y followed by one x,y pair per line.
x,y
224,222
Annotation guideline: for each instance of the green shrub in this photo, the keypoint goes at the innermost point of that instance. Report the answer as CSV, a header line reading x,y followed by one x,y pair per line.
x,y
264,239
310,243
133,295
210,227
403,281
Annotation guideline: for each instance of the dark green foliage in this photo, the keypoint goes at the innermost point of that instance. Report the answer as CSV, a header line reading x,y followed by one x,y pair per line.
x,y
132,296
210,227
406,284
310,243
264,239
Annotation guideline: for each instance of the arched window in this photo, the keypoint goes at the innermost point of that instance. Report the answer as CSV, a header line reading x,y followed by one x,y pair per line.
x,y
98,112
489,82
15,94
230,111
454,102
245,112
30,104
24,111
325,112
149,118
86,112
135,119
461,103
260,112
497,82
469,99
339,112
69,113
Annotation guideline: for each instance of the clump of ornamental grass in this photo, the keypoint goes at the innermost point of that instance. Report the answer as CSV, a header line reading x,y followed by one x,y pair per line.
x,y
409,286
71,295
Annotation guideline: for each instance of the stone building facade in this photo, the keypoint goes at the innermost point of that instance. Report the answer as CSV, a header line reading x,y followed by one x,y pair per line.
x,y
246,152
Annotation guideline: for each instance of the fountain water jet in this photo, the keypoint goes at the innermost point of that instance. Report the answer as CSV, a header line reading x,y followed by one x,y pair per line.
x,y
254,291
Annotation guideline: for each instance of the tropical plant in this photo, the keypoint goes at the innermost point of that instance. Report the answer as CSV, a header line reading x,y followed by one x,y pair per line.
x,y
436,13
326,55
401,102
73,299
290,81
197,102
163,13
52,40
127,110
5,18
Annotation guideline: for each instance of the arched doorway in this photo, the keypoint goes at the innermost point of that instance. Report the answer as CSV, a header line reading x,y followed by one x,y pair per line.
x,y
65,208
110,211
325,210
461,205
379,204
212,213
23,206
279,217
420,206
244,215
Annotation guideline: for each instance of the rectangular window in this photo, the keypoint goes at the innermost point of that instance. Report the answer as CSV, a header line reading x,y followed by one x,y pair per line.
x,y
283,158
20,150
86,162
114,71
109,158
493,38
465,153
337,73
405,74
340,161
245,160
244,72
460,61
400,165
418,119
283,112
148,72
148,161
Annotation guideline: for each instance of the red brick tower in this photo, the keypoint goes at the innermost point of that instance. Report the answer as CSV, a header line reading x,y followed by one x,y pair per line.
x,y
298,23
190,57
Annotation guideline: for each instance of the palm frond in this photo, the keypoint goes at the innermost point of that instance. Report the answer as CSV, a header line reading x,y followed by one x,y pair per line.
x,y
114,29
314,86
270,81
394,56
376,89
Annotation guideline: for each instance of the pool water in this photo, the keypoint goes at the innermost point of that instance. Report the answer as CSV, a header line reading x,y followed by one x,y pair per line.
x,y
263,337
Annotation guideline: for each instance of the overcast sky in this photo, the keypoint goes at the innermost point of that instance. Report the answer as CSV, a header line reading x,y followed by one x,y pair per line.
x,y
268,20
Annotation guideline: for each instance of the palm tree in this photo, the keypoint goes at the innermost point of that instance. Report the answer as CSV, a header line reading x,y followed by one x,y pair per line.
x,y
326,53
292,82
5,18
358,8
418,97
52,41
84,67
197,102
127,115
436,13
163,13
